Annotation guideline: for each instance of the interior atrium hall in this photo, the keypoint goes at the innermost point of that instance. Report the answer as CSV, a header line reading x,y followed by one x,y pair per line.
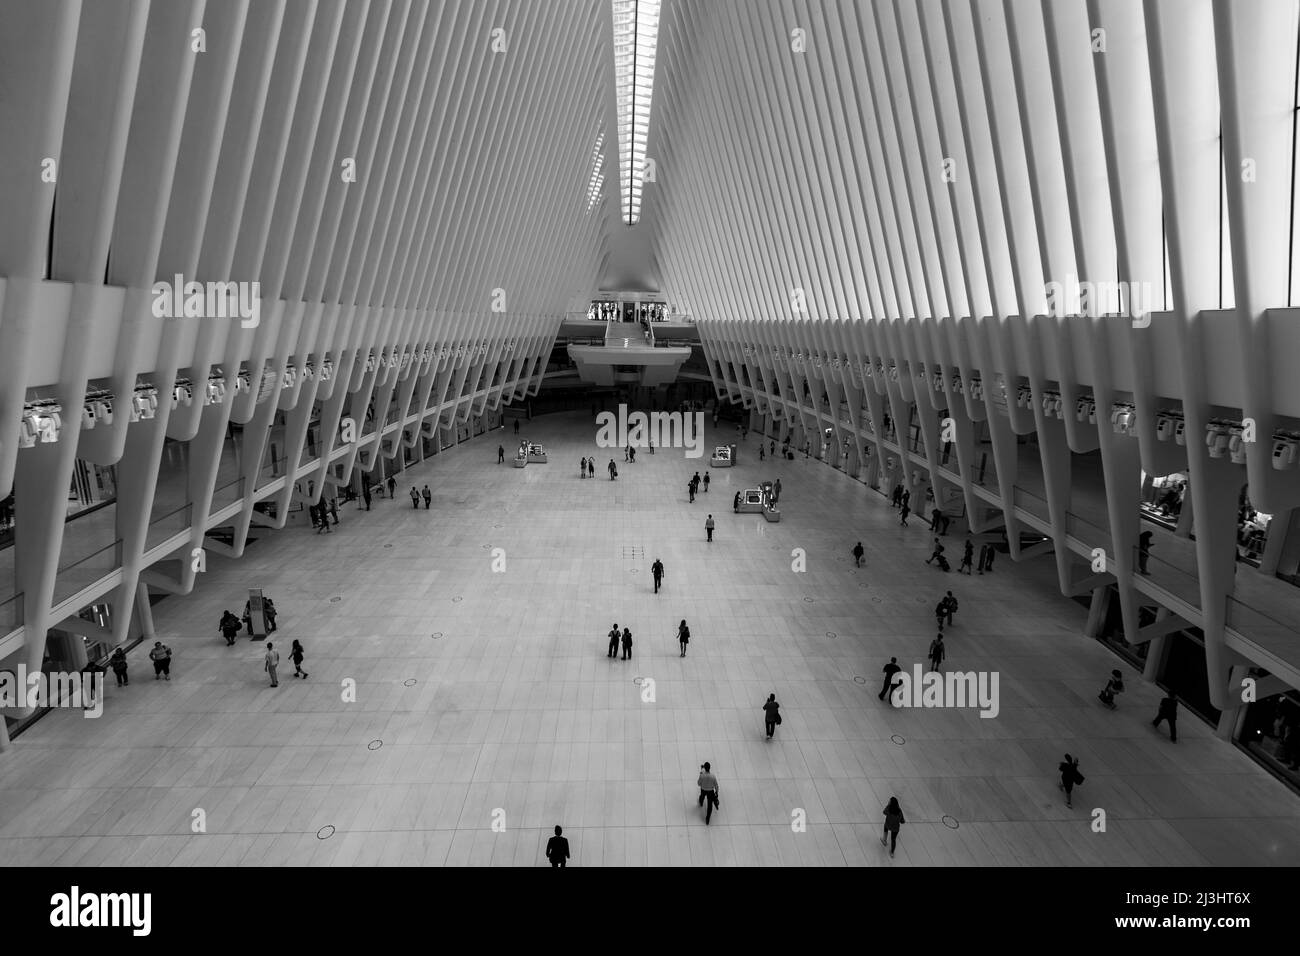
x,y
931,366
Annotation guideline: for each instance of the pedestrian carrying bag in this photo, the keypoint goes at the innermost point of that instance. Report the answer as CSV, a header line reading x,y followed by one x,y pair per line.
x,y
778,718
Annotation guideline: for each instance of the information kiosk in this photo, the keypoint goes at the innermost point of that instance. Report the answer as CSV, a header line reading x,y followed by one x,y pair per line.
x,y
752,501
536,453
724,456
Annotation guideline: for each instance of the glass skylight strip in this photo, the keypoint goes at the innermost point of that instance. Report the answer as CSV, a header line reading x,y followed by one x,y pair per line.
x,y
636,35
597,179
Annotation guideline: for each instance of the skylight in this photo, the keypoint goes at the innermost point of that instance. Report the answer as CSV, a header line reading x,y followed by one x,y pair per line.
x,y
597,180
636,32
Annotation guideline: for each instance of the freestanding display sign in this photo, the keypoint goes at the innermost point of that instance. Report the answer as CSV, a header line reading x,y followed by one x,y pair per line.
x,y
256,613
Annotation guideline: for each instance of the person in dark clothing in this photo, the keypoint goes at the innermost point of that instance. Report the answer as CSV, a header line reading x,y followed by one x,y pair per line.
x,y
890,670
296,655
936,521
229,627
161,655
415,498
392,487
334,510
557,848
906,511
858,552
772,447
760,453
427,495
613,642
907,499
627,644
1144,551
949,605
706,482
690,491
269,612
776,491
937,553
1168,711
735,504
708,785
118,664
1113,686
966,557
657,572
1070,777
501,456
893,820
683,636
771,715
516,426
709,525
897,496
613,470
940,612
365,495
591,468
988,561
937,652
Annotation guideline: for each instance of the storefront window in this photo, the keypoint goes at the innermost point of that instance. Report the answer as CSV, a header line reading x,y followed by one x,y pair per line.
x,y
1271,734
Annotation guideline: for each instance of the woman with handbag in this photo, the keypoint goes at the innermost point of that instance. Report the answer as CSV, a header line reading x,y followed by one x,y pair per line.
x,y
1070,776
771,715
683,636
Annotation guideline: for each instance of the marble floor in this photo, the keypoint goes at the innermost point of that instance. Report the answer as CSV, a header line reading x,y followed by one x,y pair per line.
x,y
486,709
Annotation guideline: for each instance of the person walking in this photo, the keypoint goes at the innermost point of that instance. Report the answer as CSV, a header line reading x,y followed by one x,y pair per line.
x,y
557,848
735,503
776,491
949,604
897,496
906,511
118,664
695,480
392,487
760,452
936,554
706,482
984,557
937,652
893,820
690,491
771,450
936,521
415,498
613,642
296,655
858,552
940,612
988,559
657,572
1168,711
708,526
1113,686
890,670
652,446
516,426
966,558
427,495
627,644
334,510
1070,777
771,715
907,499
1144,551
272,661
613,470
683,636
161,655
501,454
365,495
229,627
708,785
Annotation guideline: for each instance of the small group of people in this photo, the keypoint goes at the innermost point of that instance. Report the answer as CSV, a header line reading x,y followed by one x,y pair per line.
x,y
268,612
272,661
693,486
902,499
321,512
587,468
629,454
416,495
945,609
937,555
614,639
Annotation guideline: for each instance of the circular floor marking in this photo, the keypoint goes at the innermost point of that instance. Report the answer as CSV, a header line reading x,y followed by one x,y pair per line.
x,y
632,570
335,599
388,545
950,822
898,739
859,680
436,635
374,745
638,681
487,547
807,600
831,634
498,526
457,599
409,682
325,832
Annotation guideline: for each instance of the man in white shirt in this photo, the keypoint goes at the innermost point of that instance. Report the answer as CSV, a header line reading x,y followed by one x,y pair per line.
x,y
708,785
272,662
